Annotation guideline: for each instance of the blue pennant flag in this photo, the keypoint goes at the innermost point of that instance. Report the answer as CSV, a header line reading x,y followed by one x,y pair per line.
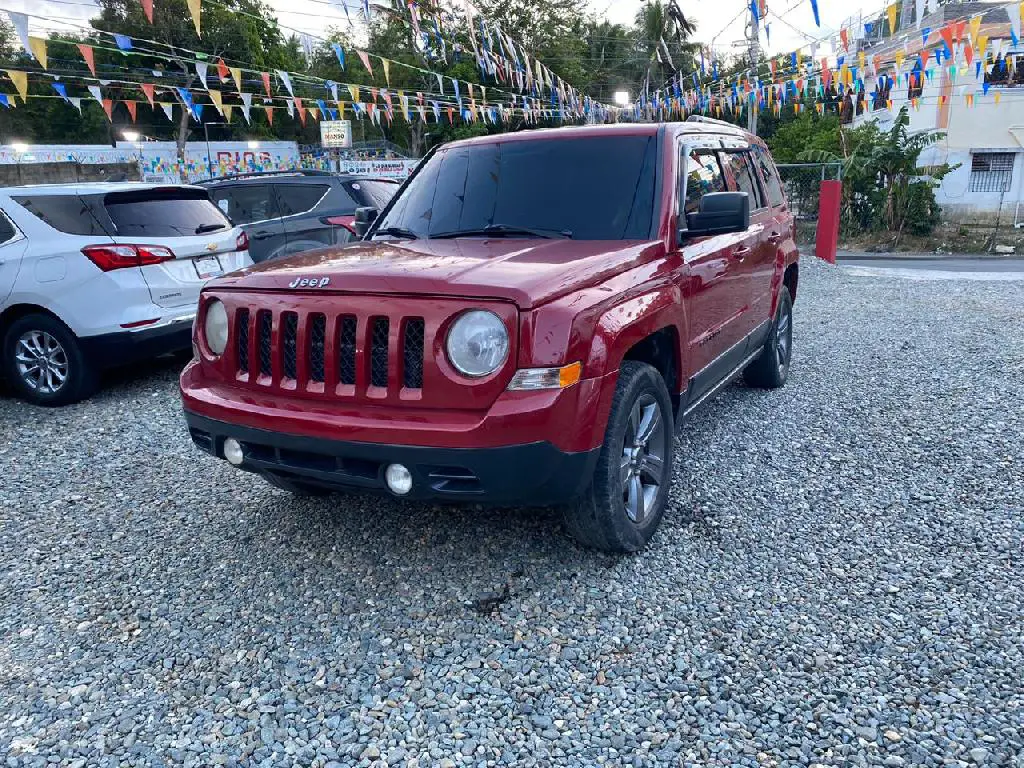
x,y
814,7
340,53
61,90
197,111
186,97
985,86
123,42
868,27
768,32
924,35
4,101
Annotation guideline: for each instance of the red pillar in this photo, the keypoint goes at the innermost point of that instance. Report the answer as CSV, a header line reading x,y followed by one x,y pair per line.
x,y
827,238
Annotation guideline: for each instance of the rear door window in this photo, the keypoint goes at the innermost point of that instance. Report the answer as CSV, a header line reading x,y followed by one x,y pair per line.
x,y
746,180
299,198
703,175
7,230
372,192
70,214
246,203
773,186
164,213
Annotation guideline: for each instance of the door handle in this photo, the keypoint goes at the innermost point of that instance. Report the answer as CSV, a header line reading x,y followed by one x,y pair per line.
x,y
262,235
774,238
741,251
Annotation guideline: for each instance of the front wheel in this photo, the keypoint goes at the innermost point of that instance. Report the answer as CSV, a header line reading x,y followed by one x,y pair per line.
x,y
626,498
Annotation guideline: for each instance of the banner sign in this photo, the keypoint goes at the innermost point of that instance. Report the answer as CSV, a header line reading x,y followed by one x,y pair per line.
x,y
336,133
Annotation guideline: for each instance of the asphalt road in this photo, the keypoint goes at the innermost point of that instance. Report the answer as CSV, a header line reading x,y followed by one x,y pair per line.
x,y
972,265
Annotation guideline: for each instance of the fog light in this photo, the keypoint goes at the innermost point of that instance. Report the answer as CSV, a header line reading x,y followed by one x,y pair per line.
x,y
233,452
399,479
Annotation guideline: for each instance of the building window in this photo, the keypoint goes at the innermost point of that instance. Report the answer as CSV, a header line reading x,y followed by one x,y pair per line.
x,y
991,171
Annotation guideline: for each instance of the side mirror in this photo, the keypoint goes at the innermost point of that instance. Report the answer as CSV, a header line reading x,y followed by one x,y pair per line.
x,y
719,214
364,218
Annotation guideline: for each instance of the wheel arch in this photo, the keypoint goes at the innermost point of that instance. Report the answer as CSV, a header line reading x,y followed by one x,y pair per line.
x,y
12,313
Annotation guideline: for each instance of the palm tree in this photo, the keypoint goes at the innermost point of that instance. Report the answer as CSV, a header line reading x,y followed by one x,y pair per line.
x,y
662,31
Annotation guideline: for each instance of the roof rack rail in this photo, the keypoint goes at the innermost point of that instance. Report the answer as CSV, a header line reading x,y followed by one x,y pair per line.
x,y
259,174
713,121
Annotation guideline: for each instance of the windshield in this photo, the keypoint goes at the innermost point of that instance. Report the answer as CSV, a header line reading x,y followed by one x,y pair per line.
x,y
596,188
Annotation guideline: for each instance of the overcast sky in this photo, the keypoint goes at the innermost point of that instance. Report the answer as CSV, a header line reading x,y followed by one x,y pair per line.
x,y
788,32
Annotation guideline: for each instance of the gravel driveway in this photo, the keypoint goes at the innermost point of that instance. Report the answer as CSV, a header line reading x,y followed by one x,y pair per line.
x,y
838,581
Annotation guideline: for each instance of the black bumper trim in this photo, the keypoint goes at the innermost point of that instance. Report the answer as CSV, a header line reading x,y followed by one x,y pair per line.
x,y
113,349
532,474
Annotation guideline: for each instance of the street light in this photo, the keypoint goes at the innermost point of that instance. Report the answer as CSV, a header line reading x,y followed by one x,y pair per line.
x,y
251,144
131,136
19,147
621,98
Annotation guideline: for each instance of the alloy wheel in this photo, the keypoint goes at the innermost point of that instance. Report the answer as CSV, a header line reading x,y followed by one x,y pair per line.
x,y
41,362
643,463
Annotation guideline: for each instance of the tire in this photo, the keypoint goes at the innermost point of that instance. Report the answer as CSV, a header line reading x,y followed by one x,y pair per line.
x,y
607,516
295,487
770,369
37,338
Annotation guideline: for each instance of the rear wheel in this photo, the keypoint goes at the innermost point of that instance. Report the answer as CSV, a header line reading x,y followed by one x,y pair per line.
x,y
296,487
625,501
770,369
44,362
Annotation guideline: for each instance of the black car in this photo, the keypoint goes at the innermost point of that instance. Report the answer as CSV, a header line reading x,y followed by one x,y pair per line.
x,y
288,212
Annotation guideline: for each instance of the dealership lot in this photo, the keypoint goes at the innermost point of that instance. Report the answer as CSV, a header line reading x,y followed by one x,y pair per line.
x,y
838,577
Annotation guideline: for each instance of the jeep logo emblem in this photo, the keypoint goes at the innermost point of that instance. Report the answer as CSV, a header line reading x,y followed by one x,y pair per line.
x,y
309,282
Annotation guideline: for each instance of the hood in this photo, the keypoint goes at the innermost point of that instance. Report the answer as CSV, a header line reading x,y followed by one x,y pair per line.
x,y
528,272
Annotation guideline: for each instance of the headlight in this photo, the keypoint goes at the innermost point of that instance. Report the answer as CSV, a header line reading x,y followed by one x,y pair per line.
x,y
215,327
477,343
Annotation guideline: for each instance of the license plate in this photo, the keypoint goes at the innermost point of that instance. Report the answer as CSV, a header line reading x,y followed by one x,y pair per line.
x,y
207,267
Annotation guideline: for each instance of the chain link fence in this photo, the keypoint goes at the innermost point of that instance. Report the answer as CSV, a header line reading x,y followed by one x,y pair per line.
x,y
802,183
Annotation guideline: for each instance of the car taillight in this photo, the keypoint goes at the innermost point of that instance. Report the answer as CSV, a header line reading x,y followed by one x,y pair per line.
x,y
242,241
111,257
348,222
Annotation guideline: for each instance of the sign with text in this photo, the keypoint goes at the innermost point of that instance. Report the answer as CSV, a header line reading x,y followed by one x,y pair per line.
x,y
336,133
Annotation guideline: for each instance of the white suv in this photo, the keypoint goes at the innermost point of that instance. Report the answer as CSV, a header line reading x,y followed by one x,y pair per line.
x,y
97,275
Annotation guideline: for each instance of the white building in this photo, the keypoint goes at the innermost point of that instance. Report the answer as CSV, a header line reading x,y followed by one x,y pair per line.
x,y
983,127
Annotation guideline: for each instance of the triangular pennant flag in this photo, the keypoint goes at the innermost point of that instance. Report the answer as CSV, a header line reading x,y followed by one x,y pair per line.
x,y
919,8
339,52
387,70
124,42
236,75
270,114
363,57
193,9
197,112
891,13
308,48
201,69
290,106
314,112
20,22
149,90
285,78
132,109
226,111
998,96
814,7
217,100
168,110
108,107
844,36
947,36
301,110
222,70
94,91
76,102
266,83
333,88
147,8
354,92
1013,11
440,84
87,54
246,106
61,90
20,80
38,46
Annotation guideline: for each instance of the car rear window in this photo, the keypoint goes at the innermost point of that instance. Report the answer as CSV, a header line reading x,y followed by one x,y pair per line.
x,y
246,203
164,213
598,188
372,192
70,214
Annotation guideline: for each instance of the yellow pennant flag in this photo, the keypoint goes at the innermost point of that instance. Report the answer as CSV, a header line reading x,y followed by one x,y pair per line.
x,y
218,102
314,112
899,61
891,11
193,8
975,27
236,75
354,90
999,96
38,46
341,110
20,80
387,71
226,111
981,48
860,58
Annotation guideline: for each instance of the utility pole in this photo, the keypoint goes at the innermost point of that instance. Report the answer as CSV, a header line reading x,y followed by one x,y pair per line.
x,y
753,50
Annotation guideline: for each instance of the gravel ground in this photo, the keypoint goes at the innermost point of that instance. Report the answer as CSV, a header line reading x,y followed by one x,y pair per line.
x,y
837,582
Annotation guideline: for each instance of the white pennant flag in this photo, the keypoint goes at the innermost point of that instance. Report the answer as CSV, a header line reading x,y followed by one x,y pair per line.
x,y
168,110
1013,11
308,47
440,83
157,73
287,80
76,102
246,105
201,67
933,6
920,12
291,107
94,91
20,22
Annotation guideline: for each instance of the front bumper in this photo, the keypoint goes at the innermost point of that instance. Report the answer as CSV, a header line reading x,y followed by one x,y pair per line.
x,y
533,474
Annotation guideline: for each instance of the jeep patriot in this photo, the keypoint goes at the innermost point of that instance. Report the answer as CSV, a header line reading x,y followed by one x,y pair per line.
x,y
528,321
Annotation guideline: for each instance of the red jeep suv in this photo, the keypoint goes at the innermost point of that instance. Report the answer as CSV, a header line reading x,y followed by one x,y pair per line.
x,y
526,322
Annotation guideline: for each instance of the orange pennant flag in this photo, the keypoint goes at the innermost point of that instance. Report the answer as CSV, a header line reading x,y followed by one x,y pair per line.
x,y
969,54
149,90
132,109
301,110
108,107
147,8
270,114
222,70
87,54
266,82
366,61
845,37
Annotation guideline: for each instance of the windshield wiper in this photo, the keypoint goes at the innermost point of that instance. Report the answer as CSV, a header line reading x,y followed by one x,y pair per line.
x,y
408,234
202,229
505,229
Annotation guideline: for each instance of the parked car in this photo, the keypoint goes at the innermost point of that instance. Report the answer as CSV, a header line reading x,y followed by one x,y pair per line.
x,y
288,212
498,340
101,274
